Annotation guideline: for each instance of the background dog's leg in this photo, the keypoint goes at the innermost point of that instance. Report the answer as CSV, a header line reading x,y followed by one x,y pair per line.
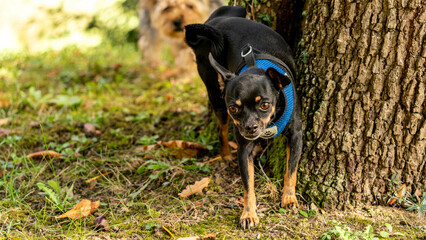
x,y
246,153
288,199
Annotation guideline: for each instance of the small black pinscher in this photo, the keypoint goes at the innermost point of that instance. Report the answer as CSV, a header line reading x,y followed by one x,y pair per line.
x,y
249,75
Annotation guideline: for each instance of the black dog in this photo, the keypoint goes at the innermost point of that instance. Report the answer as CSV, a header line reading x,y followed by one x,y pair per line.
x,y
249,75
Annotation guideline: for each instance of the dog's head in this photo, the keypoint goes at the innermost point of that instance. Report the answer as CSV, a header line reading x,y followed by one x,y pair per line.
x,y
170,16
252,97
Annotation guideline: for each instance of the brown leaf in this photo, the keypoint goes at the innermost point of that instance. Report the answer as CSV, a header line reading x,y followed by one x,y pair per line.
x,y
3,121
89,128
233,144
101,223
401,191
4,132
3,103
208,236
182,149
93,184
45,154
392,201
197,187
53,73
82,209
149,147
117,66
168,97
400,194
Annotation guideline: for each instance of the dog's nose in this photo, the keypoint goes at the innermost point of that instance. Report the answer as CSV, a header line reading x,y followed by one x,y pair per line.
x,y
177,23
252,128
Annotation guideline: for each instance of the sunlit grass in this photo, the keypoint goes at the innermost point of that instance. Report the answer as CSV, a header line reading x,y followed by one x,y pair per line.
x,y
39,26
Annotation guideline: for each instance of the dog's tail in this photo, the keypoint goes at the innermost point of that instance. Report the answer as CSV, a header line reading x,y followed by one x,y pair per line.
x,y
204,39
228,11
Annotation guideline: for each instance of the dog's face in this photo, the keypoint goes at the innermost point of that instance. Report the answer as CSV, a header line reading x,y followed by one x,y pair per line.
x,y
170,16
251,97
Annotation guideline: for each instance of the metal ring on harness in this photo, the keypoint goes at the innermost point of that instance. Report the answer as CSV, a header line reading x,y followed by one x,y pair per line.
x,y
246,54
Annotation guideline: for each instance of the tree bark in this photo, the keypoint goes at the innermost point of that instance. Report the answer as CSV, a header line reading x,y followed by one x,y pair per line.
x,y
362,81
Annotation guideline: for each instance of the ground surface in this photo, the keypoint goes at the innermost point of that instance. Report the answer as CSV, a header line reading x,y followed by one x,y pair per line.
x,y
48,98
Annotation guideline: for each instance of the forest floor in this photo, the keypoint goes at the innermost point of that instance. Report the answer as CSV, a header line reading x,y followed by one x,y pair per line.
x,y
98,109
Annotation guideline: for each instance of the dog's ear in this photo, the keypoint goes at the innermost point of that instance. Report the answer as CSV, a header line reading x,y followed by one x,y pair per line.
x,y
224,74
279,80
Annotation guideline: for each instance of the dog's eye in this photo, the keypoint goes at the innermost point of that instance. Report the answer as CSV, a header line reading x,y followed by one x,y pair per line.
x,y
264,106
233,109
167,9
190,6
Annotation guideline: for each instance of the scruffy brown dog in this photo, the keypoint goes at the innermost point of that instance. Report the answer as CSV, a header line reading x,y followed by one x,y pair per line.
x,y
162,22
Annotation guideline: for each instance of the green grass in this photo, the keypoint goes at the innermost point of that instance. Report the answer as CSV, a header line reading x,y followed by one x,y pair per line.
x,y
48,97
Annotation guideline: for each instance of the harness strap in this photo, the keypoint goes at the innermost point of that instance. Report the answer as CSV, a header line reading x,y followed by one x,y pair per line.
x,y
247,54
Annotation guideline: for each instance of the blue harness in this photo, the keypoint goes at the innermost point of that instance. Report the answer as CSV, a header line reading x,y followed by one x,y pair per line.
x,y
265,61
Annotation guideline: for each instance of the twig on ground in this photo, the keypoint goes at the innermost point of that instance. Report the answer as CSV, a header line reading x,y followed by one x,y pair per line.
x,y
217,158
260,165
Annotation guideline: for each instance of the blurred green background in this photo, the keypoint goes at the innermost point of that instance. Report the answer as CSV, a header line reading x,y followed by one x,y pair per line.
x,y
40,25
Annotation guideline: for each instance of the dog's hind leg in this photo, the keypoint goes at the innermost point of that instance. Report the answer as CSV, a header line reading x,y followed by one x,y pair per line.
x,y
288,199
222,125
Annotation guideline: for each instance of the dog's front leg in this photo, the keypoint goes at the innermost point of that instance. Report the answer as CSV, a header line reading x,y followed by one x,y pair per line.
x,y
247,150
288,199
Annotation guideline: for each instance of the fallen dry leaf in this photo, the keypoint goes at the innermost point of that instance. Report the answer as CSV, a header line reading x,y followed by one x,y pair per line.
x,y
89,128
101,223
4,132
3,103
149,147
208,236
168,97
93,184
82,209
197,187
45,154
53,73
177,148
233,144
401,193
392,201
3,121
182,149
117,66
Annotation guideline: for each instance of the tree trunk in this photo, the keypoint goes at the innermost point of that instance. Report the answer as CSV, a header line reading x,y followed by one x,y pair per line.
x,y
362,82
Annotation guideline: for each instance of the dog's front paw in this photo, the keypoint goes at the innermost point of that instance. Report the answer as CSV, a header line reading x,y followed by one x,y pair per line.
x,y
289,201
249,219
